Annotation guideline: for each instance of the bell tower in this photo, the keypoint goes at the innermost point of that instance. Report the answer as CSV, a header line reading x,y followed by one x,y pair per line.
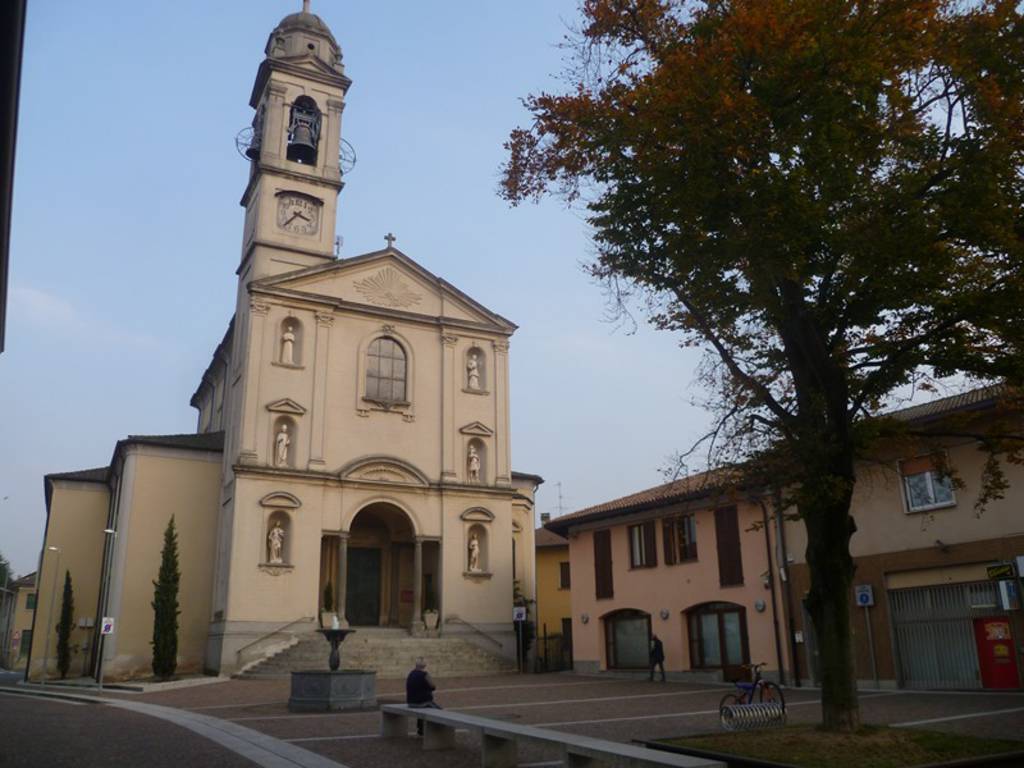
x,y
291,197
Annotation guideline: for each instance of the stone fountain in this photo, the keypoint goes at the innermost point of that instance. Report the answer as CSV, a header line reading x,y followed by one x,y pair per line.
x,y
333,689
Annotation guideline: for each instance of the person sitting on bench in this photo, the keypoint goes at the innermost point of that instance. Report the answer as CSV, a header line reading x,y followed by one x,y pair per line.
x,y
419,691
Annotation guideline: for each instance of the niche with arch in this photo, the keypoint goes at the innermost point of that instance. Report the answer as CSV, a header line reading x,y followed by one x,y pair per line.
x,y
304,131
277,540
289,343
477,555
476,371
476,461
283,442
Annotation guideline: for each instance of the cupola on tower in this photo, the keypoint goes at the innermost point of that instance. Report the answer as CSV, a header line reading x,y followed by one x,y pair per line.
x,y
295,174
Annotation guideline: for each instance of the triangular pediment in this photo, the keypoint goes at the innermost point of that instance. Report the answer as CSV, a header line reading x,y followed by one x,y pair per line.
x,y
386,280
477,429
286,405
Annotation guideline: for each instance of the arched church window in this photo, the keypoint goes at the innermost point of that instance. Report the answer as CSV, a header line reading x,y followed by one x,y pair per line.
x,y
304,131
386,371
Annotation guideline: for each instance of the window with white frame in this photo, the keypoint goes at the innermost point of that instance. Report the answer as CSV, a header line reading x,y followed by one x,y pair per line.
x,y
641,546
925,486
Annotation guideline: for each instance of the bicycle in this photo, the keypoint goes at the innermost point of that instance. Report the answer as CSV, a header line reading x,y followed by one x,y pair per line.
x,y
767,691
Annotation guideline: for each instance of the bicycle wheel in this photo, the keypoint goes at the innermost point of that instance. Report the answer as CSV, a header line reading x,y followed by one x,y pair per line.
x,y
772,694
728,700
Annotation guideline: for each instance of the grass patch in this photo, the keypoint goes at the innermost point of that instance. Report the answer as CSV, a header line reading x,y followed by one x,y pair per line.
x,y
870,747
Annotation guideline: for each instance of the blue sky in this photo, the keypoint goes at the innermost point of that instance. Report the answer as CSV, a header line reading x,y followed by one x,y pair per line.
x,y
127,231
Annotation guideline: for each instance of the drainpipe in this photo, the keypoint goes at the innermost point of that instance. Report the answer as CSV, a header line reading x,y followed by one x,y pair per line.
x,y
787,589
771,584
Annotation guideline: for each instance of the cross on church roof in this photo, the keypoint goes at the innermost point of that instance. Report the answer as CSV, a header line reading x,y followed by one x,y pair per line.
x,y
391,239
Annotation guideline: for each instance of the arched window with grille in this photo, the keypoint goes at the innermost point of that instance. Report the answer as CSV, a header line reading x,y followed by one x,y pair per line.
x,y
386,371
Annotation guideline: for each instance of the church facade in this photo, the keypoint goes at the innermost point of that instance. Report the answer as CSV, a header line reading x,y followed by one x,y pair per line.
x,y
352,457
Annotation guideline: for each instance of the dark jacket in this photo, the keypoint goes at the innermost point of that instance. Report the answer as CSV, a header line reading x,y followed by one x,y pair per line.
x,y
419,688
657,652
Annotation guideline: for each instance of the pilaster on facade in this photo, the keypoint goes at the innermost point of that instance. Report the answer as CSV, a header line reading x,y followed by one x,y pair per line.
x,y
334,110
250,384
503,469
318,414
450,383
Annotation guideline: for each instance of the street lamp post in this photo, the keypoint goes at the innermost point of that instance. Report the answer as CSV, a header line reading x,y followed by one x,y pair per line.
x,y
49,621
106,599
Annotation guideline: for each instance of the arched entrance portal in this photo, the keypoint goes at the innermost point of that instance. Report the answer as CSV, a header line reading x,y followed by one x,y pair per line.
x,y
389,574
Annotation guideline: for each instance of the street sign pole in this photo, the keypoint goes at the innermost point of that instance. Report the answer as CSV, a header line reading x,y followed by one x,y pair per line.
x,y
106,628
871,645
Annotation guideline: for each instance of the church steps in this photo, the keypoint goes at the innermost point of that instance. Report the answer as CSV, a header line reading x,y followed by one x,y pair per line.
x,y
389,652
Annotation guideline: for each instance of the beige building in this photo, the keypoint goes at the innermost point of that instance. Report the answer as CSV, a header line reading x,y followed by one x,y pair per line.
x,y
353,437
17,605
710,569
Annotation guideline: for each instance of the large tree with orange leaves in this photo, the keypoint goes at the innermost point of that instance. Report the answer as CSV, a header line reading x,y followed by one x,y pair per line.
x,y
825,194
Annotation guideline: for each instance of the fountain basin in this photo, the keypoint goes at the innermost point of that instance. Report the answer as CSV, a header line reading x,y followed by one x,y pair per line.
x,y
333,690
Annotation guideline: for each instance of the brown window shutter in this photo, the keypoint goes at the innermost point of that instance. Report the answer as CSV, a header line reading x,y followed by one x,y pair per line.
x,y
603,564
563,575
727,535
668,535
650,544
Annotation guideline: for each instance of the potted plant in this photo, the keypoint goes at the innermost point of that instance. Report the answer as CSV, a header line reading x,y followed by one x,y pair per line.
x,y
327,613
430,615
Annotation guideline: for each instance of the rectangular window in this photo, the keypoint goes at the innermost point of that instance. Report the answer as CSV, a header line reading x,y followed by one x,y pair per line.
x,y
680,537
730,558
30,601
563,576
642,552
603,584
925,486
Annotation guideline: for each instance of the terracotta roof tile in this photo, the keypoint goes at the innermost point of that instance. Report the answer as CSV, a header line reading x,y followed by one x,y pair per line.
x,y
97,475
542,537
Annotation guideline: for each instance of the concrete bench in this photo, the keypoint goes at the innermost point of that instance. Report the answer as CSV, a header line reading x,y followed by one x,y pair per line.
x,y
499,740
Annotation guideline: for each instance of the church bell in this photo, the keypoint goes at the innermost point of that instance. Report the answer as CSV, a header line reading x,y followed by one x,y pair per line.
x,y
302,147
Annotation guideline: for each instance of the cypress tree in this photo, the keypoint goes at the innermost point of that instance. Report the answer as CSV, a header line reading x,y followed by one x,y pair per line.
x,y
165,607
67,623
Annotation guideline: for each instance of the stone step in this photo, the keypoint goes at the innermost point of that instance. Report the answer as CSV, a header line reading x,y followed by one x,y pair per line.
x,y
389,652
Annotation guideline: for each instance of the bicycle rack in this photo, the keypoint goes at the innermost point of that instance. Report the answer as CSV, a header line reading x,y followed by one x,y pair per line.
x,y
747,717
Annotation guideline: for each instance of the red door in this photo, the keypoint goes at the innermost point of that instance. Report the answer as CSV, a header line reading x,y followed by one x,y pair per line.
x,y
996,653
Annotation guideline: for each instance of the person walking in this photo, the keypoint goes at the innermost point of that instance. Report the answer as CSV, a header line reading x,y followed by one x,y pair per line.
x,y
419,691
657,657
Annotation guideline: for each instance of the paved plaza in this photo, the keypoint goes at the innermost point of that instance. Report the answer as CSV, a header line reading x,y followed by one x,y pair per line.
x,y
227,720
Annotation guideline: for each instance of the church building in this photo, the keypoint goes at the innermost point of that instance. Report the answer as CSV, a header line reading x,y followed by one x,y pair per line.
x,y
352,455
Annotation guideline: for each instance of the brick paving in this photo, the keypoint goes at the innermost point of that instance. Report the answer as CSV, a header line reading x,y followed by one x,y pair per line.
x,y
617,709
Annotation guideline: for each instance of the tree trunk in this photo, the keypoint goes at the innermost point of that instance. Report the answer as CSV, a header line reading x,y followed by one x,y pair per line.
x,y
829,528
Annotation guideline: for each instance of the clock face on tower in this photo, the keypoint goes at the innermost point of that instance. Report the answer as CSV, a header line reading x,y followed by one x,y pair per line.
x,y
298,214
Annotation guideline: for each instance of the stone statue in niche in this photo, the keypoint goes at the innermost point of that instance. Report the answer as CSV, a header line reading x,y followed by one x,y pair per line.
x,y
288,345
474,554
473,461
473,371
275,544
281,443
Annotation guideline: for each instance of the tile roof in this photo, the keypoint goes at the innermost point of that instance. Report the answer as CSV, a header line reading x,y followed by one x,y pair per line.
x,y
974,399
203,441
542,537
536,479
28,580
705,483
692,487
97,475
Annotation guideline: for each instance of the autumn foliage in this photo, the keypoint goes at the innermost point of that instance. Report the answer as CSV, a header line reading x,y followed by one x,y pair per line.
x,y
827,195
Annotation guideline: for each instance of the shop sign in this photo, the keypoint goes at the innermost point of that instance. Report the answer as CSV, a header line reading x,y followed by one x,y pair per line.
x,y
1000,571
